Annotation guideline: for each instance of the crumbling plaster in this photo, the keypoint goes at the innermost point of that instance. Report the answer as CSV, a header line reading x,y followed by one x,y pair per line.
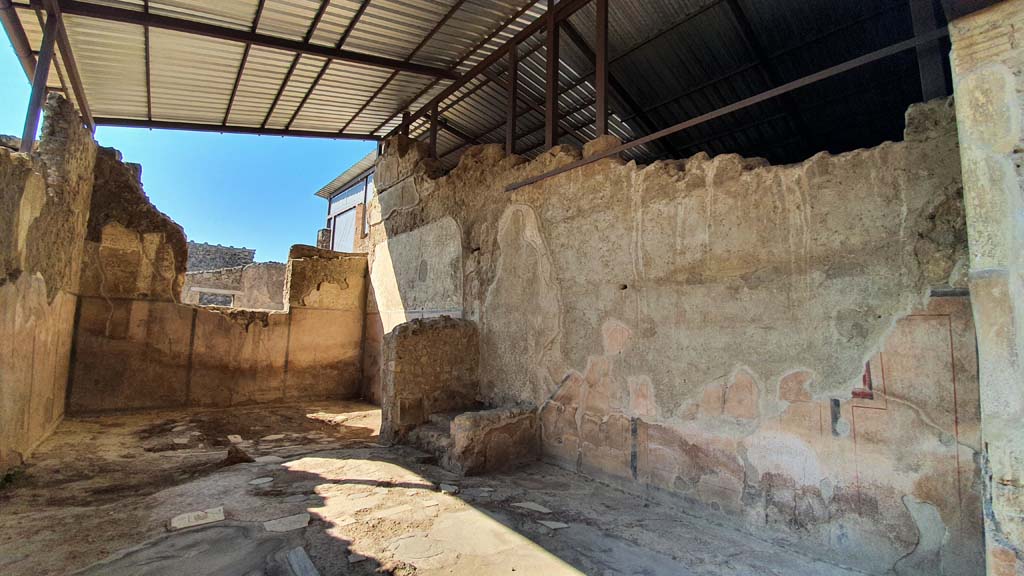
x,y
665,318
44,203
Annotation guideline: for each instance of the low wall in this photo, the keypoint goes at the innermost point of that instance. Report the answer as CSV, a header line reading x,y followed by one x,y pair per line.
x,y
135,354
257,286
429,367
698,329
44,201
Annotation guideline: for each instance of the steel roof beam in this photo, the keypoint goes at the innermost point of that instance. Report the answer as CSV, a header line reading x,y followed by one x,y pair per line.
x,y
743,104
138,18
241,67
38,94
562,10
53,10
295,62
323,69
929,57
195,127
430,34
19,40
630,107
462,59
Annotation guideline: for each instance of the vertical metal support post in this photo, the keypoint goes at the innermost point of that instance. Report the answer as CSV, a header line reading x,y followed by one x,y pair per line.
x,y
929,56
404,129
433,132
551,82
601,67
511,111
42,72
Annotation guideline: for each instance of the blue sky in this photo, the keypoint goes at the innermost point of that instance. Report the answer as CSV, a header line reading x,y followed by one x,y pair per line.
x,y
239,190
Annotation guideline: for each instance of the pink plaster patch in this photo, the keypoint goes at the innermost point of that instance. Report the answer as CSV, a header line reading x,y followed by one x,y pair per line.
x,y
741,397
615,335
713,399
641,401
793,386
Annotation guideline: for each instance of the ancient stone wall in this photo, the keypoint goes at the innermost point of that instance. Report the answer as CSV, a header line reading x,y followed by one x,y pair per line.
x,y
44,203
132,250
429,367
697,329
203,256
257,286
134,353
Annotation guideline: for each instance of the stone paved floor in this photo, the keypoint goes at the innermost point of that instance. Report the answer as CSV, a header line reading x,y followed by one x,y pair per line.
x,y
98,497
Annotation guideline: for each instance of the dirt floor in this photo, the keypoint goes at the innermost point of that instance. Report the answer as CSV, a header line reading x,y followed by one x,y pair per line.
x,y
99,495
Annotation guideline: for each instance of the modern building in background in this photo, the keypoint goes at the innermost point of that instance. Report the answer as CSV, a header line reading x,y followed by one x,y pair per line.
x,y
346,197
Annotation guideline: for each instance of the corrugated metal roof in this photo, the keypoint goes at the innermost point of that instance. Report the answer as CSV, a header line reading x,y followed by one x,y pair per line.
x,y
671,60
348,176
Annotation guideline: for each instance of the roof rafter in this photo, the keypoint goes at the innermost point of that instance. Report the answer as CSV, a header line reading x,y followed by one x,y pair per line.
x,y
508,22
444,20
196,127
102,12
323,69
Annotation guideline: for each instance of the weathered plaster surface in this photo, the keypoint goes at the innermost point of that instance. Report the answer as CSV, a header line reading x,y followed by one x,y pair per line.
x,y
688,327
132,250
44,203
988,69
144,353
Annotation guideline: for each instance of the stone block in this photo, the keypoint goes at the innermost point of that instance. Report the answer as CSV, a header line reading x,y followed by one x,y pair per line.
x,y
324,279
496,440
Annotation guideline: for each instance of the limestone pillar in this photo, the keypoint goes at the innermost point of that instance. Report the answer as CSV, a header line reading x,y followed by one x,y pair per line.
x,y
988,72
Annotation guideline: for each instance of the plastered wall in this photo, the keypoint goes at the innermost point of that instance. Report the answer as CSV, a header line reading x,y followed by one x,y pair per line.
x,y
44,203
135,345
145,353
697,329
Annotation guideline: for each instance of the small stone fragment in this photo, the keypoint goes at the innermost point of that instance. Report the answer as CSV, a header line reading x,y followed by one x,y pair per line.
x,y
287,523
533,506
553,525
272,437
182,441
449,489
179,428
430,504
190,519
300,563
355,558
234,438
261,480
235,456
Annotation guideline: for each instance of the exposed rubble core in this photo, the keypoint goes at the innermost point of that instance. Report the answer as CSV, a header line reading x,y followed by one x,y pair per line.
x,y
203,256
700,328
